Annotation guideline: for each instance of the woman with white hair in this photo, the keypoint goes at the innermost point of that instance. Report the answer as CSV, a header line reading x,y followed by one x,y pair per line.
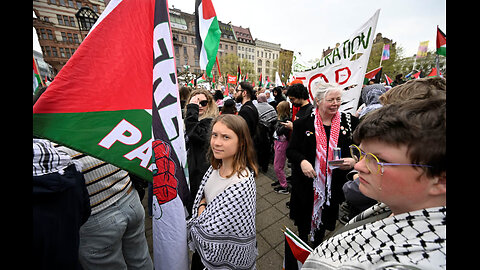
x,y
317,188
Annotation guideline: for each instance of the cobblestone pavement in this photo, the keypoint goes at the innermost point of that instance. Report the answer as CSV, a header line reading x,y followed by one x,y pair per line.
x,y
272,216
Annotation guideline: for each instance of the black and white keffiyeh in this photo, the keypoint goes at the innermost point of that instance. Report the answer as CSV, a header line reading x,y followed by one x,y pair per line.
x,y
413,240
224,234
47,159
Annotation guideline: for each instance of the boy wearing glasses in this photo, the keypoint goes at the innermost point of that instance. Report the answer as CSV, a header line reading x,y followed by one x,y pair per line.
x,y
401,162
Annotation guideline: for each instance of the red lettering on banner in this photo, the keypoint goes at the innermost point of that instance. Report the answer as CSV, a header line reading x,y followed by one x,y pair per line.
x,y
337,75
313,78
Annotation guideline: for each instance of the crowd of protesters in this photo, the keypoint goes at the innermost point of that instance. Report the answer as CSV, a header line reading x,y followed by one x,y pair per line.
x,y
391,175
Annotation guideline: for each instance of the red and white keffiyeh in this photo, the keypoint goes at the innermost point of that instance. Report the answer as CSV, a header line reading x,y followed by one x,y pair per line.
x,y
322,183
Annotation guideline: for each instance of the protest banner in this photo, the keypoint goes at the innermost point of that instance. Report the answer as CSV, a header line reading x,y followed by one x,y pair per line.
x,y
345,65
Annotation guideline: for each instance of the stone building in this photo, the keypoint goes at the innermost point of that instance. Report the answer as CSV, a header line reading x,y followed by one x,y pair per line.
x,y
266,58
61,26
246,44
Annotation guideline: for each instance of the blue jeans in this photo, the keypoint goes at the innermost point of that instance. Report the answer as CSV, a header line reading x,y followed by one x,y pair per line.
x,y
115,237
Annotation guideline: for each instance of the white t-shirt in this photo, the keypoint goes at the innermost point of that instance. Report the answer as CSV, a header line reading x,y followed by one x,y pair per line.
x,y
217,184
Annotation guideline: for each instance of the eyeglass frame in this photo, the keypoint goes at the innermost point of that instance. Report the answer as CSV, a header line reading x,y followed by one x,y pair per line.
x,y
380,165
334,101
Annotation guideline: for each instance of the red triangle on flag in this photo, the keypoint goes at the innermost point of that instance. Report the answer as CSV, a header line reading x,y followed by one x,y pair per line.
x,y
441,38
112,68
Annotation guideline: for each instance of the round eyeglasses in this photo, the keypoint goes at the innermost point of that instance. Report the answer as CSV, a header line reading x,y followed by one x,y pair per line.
x,y
372,163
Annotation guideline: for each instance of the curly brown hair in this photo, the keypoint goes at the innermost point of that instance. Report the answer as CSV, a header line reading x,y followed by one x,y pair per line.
x,y
212,108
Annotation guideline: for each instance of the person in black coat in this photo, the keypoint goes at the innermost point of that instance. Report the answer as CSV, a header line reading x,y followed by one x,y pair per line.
x,y
244,94
301,152
200,110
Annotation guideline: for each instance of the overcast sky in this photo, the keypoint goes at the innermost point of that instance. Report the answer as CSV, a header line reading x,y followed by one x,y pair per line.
x,y
309,26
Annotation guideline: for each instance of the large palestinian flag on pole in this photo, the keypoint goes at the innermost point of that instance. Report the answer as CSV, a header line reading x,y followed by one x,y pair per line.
x,y
117,99
441,42
207,34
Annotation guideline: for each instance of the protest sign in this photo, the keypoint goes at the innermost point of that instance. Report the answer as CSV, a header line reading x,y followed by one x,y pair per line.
x,y
345,65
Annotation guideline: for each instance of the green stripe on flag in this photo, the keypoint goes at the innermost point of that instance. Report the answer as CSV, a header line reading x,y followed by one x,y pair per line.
x,y
300,241
442,51
84,131
211,45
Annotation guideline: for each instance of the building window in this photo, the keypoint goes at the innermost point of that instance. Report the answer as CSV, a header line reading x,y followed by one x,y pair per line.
x,y
50,35
70,37
47,51
177,52
66,21
60,19
72,21
75,38
62,52
43,33
54,52
64,37
70,4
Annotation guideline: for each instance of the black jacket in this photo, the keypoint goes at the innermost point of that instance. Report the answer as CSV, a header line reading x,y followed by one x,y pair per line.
x,y
302,146
60,206
198,134
250,113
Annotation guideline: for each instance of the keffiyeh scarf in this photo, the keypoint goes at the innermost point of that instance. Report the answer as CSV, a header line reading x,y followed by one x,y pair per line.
x,y
322,183
224,234
412,240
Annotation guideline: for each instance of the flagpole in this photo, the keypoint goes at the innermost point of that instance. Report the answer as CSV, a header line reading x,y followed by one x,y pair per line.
x,y
218,67
381,56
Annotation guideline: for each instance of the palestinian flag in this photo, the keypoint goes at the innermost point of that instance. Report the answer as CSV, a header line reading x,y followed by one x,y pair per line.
x,y
299,248
267,82
373,74
207,34
239,74
37,81
441,43
202,79
260,80
433,73
117,99
417,75
388,80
